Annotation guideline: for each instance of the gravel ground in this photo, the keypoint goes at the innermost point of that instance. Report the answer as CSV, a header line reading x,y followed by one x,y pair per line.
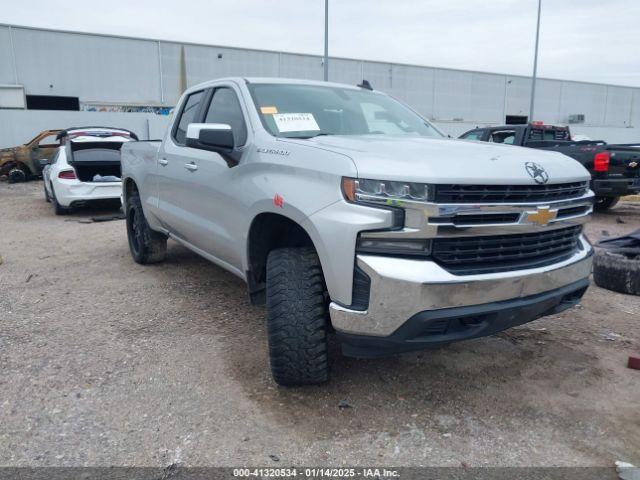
x,y
106,362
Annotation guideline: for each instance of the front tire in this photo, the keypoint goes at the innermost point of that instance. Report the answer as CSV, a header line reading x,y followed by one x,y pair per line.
x,y
146,245
605,203
16,175
297,317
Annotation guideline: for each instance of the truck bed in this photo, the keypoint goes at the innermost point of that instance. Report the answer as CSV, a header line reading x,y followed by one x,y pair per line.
x,y
139,158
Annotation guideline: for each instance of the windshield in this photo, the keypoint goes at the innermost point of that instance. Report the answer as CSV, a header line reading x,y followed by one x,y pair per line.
x,y
305,111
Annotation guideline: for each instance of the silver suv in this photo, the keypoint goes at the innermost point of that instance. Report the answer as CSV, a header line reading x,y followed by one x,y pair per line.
x,y
346,211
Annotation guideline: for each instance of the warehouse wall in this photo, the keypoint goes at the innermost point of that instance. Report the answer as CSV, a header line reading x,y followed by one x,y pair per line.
x,y
20,126
115,70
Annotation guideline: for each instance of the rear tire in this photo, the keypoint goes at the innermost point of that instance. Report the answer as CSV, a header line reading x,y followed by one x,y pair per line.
x,y
605,203
59,209
297,317
616,272
146,245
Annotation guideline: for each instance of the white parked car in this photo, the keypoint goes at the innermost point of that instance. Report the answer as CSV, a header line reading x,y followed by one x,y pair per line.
x,y
86,167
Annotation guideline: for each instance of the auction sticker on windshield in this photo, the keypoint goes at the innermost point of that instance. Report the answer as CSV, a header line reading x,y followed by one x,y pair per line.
x,y
295,122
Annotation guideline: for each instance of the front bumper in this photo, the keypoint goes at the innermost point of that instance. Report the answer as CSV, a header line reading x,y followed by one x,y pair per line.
x,y
616,187
403,288
438,327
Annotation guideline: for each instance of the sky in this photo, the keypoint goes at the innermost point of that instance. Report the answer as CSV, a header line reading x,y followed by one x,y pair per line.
x,y
585,40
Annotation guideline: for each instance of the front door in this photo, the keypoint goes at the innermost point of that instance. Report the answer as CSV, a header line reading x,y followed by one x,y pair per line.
x,y
213,197
42,152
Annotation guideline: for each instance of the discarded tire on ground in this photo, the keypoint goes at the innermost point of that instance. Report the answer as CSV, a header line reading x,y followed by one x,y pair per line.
x,y
617,272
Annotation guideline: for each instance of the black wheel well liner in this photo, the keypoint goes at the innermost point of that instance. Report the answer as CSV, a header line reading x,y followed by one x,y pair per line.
x,y
269,231
130,187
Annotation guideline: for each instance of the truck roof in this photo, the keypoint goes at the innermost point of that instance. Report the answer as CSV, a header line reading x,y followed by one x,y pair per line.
x,y
279,80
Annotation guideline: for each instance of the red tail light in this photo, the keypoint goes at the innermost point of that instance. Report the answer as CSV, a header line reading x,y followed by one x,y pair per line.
x,y
67,175
601,162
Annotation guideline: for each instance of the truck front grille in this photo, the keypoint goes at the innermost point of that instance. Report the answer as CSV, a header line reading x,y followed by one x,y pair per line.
x,y
453,193
474,255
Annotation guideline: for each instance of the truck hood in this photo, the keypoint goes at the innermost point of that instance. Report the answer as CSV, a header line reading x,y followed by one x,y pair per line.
x,y
440,160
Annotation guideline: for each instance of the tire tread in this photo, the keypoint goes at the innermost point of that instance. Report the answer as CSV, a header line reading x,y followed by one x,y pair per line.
x,y
297,317
616,272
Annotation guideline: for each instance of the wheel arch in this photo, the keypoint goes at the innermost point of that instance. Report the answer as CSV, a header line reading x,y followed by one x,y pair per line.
x,y
129,187
269,231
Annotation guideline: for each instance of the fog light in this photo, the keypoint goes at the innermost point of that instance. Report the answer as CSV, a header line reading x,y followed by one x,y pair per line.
x,y
394,246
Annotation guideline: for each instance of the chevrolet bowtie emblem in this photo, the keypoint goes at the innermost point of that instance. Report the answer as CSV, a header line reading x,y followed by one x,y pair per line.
x,y
542,216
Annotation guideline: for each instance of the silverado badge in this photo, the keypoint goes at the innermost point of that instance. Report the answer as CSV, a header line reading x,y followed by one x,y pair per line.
x,y
542,216
536,172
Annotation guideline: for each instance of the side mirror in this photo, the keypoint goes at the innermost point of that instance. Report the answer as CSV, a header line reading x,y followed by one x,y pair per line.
x,y
216,137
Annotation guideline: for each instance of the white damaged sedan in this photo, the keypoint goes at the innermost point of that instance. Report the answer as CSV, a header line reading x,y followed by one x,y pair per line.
x,y
86,167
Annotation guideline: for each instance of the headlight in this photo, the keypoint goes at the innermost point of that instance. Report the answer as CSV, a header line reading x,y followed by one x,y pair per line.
x,y
389,192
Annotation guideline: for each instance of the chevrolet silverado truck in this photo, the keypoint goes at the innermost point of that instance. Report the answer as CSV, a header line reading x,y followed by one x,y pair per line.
x,y
615,169
346,212
27,161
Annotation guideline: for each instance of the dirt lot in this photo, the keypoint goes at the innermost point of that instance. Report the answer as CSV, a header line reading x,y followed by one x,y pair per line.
x,y
106,362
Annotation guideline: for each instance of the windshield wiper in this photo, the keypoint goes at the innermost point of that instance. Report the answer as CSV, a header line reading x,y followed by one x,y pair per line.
x,y
314,136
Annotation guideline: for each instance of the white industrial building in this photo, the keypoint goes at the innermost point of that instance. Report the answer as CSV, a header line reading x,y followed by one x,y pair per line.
x,y
98,77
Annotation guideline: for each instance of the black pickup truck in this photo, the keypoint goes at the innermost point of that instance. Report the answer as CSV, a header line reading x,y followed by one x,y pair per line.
x,y
615,169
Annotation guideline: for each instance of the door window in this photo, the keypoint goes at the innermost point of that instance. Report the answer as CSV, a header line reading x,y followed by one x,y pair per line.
x,y
49,141
187,116
503,136
225,108
473,135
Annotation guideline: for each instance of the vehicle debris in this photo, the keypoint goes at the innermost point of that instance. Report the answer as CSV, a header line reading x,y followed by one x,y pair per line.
x,y
108,218
25,162
634,362
612,336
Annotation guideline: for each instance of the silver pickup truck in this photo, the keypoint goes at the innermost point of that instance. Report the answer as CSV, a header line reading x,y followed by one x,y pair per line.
x,y
346,212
